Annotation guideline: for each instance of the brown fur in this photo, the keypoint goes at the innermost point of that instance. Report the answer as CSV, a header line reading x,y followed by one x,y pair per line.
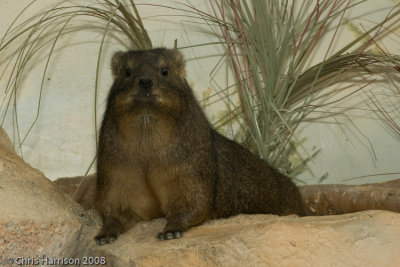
x,y
158,155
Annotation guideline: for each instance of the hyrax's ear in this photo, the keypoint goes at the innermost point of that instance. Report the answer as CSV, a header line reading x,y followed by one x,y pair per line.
x,y
179,62
116,63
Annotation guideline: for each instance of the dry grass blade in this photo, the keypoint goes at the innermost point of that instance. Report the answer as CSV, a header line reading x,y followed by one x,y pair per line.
x,y
270,44
42,32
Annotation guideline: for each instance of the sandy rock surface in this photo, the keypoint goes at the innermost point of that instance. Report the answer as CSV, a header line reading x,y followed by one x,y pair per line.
x,y
370,238
36,218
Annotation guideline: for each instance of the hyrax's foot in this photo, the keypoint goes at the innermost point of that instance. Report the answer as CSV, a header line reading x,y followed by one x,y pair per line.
x,y
168,235
111,229
105,239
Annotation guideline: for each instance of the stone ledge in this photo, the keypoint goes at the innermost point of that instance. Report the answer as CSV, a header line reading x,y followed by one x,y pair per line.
x,y
369,238
36,217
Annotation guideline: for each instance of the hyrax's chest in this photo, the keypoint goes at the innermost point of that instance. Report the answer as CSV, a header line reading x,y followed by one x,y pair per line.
x,y
146,174
147,137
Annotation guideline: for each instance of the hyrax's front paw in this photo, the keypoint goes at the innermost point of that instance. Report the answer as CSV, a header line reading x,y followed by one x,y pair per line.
x,y
103,239
168,235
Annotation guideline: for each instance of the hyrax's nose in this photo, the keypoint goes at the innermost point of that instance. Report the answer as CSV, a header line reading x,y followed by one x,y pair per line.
x,y
145,83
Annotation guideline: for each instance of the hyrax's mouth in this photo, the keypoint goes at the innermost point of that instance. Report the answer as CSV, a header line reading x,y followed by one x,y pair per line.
x,y
144,97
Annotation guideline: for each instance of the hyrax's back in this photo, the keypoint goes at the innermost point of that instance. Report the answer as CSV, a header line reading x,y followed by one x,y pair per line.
x,y
247,184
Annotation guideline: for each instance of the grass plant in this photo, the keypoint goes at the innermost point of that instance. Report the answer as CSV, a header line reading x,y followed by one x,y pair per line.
x,y
39,34
271,45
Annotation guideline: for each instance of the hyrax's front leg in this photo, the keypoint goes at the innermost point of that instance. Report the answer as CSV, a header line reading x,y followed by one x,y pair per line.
x,y
112,228
117,218
115,222
182,217
189,205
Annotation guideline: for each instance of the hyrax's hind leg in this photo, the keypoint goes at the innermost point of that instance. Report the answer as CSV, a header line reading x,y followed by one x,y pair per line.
x,y
188,205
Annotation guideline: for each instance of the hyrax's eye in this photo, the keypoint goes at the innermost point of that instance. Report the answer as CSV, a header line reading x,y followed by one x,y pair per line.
x,y
128,73
164,71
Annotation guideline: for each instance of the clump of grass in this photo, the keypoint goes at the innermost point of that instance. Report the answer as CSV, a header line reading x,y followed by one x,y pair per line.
x,y
270,45
40,33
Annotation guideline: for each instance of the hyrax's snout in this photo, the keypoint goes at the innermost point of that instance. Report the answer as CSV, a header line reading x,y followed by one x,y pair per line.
x,y
145,91
145,83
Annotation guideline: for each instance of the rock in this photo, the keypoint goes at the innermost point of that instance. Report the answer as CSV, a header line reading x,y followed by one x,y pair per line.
x,y
5,142
82,189
36,218
335,199
369,238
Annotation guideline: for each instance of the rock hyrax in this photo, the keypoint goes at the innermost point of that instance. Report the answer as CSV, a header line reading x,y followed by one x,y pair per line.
x,y
158,155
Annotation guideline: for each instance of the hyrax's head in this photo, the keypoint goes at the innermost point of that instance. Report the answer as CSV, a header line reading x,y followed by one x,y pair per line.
x,y
150,80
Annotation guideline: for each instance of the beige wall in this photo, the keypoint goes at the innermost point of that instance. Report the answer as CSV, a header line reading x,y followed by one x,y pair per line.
x,y
62,142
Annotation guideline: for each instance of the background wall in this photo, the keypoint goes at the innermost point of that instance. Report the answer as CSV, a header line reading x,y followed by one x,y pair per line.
x,y
62,143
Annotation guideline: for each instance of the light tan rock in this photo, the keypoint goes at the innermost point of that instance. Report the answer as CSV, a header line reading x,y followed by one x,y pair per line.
x,y
335,199
370,238
81,188
5,142
36,218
